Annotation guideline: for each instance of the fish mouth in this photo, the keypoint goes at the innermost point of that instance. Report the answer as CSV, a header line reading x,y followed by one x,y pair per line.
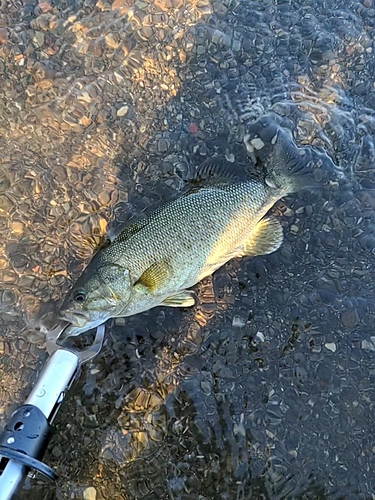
x,y
75,318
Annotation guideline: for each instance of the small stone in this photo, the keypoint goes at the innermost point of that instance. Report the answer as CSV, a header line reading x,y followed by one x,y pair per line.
x,y
238,322
3,35
89,493
112,41
163,145
193,128
56,452
20,61
17,227
45,7
236,45
119,321
140,4
349,319
239,430
260,336
219,8
367,345
288,212
39,38
122,111
85,121
294,229
331,346
257,143
117,4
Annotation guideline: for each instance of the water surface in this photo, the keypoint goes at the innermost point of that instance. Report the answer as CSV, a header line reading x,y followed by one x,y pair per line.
x,y
264,390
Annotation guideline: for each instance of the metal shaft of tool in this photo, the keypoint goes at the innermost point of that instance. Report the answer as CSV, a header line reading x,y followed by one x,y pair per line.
x,y
47,395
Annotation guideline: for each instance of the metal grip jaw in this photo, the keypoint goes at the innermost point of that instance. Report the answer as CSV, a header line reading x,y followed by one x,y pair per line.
x,y
25,437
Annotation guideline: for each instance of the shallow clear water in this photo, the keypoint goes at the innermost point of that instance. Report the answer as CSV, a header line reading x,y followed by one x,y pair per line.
x,y
265,389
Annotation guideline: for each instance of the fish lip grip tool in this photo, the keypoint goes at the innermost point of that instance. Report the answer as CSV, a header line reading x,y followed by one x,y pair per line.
x,y
25,438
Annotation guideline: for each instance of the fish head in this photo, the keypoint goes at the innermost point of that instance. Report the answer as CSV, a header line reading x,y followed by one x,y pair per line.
x,y
97,295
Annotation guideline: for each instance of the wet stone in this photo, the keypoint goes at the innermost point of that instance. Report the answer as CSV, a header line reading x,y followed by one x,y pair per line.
x,y
56,451
349,319
331,346
368,344
90,493
123,111
72,149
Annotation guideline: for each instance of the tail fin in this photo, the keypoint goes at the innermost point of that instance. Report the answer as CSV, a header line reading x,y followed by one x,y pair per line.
x,y
287,166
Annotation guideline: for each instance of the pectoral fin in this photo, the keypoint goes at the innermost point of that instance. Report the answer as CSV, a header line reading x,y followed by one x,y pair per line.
x,y
266,238
155,276
186,298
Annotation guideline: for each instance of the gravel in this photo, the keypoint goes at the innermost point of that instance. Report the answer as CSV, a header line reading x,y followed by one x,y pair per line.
x,y
266,388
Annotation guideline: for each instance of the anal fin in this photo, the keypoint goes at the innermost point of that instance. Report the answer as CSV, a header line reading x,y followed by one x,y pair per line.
x,y
185,298
266,238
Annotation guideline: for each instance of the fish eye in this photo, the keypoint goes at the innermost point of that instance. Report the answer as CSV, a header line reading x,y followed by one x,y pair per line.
x,y
79,296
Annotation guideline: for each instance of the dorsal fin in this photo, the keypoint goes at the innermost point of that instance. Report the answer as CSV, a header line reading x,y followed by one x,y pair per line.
x,y
131,229
217,171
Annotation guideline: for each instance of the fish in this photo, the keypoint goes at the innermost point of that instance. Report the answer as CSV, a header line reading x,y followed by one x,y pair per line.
x,y
156,260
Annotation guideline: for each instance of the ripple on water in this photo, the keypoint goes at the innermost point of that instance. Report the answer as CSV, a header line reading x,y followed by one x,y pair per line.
x,y
106,111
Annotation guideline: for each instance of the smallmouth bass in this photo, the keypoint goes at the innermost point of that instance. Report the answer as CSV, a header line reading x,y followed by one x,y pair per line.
x,y
154,261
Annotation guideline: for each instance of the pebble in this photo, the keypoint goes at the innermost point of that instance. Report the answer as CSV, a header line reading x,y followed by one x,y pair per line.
x,y
193,128
56,452
112,83
112,41
331,346
3,35
239,321
39,38
256,143
368,345
122,111
288,212
89,493
349,319
260,336
163,145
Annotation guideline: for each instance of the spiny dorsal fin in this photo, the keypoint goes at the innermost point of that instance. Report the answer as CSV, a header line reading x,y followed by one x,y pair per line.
x,y
217,171
131,229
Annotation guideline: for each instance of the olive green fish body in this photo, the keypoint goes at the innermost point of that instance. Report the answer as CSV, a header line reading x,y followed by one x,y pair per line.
x,y
189,239
154,260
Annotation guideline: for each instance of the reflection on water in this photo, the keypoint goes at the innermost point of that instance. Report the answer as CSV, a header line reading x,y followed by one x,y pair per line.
x,y
265,389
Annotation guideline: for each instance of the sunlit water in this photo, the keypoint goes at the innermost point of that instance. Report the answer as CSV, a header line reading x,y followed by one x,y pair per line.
x,y
264,390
